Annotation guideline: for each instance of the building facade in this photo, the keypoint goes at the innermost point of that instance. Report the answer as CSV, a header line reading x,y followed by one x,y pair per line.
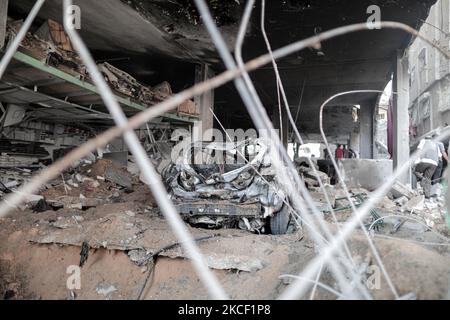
x,y
429,75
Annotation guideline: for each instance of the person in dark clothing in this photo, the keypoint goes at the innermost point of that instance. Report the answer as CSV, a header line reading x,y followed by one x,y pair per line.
x,y
427,164
442,155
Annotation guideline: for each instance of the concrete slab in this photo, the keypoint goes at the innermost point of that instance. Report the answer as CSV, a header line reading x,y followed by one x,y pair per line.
x,y
367,174
227,249
120,158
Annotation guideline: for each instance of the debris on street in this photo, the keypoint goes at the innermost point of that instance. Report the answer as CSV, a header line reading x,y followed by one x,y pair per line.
x,y
208,149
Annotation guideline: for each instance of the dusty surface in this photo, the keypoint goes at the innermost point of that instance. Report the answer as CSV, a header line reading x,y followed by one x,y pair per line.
x,y
45,264
32,270
129,242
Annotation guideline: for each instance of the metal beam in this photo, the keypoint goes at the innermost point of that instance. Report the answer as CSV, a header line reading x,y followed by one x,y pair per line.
x,y
74,94
44,83
19,56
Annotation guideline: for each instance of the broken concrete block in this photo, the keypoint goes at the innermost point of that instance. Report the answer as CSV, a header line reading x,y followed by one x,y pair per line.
x,y
64,223
72,184
365,173
387,203
130,213
30,198
11,184
78,218
105,290
356,191
79,177
340,199
401,201
399,189
140,257
415,203
230,261
78,203
322,176
114,176
311,182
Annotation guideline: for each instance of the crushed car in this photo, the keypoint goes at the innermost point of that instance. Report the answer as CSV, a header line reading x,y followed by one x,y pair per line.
x,y
234,185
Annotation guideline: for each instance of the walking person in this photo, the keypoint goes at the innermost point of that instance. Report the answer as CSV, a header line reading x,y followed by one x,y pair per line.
x,y
442,155
426,165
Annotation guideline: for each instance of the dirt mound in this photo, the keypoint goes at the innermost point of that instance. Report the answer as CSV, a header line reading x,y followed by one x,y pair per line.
x,y
99,168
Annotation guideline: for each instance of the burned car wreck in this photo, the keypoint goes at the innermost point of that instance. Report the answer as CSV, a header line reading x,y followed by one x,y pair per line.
x,y
228,185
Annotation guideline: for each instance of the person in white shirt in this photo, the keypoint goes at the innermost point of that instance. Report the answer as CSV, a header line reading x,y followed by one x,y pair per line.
x,y
426,165
442,155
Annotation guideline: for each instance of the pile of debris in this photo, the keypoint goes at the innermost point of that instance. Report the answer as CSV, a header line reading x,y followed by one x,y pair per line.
x,y
413,203
86,186
89,185
51,45
310,176
401,208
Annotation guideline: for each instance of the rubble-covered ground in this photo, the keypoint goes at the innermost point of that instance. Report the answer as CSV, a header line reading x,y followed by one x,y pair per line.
x,y
105,215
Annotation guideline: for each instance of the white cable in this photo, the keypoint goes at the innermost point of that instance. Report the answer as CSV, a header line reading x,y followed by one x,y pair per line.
x,y
347,193
162,198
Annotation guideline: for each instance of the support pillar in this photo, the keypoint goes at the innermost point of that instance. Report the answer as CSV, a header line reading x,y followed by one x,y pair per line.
x,y
3,21
366,124
205,102
355,143
401,150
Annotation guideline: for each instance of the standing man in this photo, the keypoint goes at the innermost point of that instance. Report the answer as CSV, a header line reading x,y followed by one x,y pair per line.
x,y
442,155
426,165
346,152
339,152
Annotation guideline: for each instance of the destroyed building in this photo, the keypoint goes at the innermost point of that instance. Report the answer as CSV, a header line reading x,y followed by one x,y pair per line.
x,y
134,138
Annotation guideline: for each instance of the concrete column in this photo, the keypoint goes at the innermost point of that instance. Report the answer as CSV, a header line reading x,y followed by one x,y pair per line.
x,y
401,148
355,143
366,136
284,133
205,102
3,20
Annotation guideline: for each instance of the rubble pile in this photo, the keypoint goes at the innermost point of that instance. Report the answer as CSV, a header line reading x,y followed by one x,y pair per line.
x,y
88,185
51,45
42,46
404,212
